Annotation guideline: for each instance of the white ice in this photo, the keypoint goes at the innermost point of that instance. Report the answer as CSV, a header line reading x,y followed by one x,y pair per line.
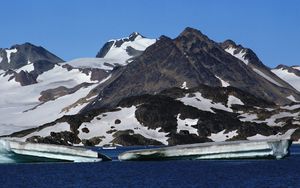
x,y
214,150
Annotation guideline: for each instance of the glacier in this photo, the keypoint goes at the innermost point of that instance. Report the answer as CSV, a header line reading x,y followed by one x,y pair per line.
x,y
276,148
12,151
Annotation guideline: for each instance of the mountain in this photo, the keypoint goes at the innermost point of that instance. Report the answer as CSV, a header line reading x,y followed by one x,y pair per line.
x,y
140,91
289,74
125,48
247,56
190,59
53,88
38,87
115,52
18,56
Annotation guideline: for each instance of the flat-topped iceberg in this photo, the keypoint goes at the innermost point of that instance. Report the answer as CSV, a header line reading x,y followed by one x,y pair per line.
x,y
277,148
15,151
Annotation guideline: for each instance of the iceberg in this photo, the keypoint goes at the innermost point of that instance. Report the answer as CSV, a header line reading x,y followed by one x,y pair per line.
x,y
12,151
276,148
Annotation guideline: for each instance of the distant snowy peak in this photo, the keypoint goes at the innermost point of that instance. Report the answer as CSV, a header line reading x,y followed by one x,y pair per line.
x,y
21,55
289,74
125,48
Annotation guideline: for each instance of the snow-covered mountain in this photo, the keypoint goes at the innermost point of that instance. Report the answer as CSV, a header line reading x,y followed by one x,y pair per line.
x,y
289,74
53,88
190,59
116,52
18,56
140,91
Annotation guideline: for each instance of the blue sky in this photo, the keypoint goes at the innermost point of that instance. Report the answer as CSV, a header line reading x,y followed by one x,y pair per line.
x,y
79,28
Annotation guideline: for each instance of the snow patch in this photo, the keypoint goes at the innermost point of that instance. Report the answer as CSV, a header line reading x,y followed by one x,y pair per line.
x,y
240,55
234,100
293,107
9,52
198,101
292,98
27,68
186,124
224,83
222,136
183,86
269,121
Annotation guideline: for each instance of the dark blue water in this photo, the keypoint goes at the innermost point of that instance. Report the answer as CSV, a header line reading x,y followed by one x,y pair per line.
x,y
225,173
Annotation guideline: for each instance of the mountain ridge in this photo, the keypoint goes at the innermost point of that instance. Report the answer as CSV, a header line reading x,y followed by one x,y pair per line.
x,y
222,91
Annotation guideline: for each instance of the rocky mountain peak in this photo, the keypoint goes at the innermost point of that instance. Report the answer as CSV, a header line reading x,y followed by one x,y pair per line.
x,y
281,66
191,33
245,53
134,35
20,55
228,43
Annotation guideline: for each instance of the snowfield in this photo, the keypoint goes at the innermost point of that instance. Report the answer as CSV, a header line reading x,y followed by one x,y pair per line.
x,y
139,44
20,107
289,77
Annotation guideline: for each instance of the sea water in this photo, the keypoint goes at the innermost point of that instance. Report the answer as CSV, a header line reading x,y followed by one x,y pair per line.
x,y
182,173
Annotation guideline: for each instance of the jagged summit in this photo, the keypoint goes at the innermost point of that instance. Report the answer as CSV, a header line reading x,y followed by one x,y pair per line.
x,y
193,31
134,35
